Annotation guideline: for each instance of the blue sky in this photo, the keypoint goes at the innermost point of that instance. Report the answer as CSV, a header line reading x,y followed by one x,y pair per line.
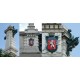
x,y
75,27
4,26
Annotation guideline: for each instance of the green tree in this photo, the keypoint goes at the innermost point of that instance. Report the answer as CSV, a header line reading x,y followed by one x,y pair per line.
x,y
5,54
1,55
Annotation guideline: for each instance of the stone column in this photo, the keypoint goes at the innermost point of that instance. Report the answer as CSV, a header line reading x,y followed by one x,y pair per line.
x,y
10,42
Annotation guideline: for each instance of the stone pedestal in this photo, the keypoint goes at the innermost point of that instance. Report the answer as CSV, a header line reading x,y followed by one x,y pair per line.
x,y
29,45
54,29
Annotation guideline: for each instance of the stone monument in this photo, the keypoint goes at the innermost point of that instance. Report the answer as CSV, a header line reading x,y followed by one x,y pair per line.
x,y
29,45
57,40
10,42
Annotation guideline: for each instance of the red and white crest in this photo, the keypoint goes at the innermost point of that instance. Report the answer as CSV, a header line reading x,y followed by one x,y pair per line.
x,y
52,43
31,42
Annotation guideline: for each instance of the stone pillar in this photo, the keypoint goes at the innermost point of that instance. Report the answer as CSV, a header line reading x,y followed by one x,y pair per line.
x,y
29,45
10,42
64,46
57,30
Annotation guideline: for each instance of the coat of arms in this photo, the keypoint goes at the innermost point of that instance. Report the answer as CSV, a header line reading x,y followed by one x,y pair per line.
x,y
31,42
51,43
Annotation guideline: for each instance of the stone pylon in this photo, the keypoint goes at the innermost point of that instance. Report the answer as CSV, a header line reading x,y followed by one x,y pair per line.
x,y
10,42
29,42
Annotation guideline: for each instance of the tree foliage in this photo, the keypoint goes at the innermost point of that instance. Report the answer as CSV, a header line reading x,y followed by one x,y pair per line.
x,y
5,54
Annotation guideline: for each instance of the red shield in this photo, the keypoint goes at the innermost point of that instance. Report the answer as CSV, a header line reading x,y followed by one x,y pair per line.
x,y
52,43
31,42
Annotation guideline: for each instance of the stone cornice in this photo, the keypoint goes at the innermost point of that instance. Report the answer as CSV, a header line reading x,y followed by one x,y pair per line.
x,y
9,28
